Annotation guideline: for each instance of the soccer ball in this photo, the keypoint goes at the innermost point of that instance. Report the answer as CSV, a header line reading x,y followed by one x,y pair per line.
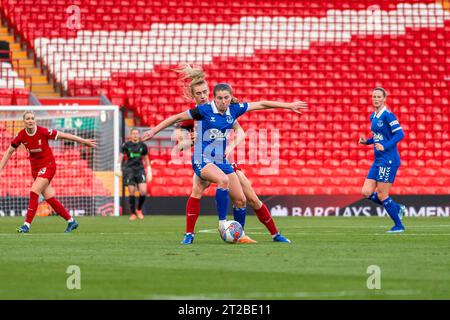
x,y
231,231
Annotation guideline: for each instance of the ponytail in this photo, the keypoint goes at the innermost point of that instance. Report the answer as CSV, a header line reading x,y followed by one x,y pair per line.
x,y
190,77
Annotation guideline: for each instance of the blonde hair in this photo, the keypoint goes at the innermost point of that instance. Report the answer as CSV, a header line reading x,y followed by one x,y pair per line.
x,y
191,76
27,112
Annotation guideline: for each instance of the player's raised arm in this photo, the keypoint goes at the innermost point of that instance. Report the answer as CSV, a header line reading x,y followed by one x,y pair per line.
x,y
67,136
166,123
8,153
295,106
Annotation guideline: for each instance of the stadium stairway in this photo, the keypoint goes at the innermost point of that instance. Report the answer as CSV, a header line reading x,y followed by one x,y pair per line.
x,y
39,84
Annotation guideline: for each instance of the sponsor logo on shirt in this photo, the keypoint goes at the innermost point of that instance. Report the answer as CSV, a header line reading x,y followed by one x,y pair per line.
x,y
42,171
378,137
35,150
213,119
135,154
217,134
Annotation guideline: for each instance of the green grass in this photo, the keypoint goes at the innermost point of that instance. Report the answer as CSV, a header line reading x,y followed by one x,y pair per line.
x,y
327,259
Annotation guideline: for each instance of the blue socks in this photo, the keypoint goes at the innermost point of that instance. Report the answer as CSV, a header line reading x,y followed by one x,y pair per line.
x,y
374,198
239,215
222,199
222,203
392,209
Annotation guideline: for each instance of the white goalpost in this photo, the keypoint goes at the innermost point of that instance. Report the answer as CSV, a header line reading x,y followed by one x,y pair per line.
x,y
84,181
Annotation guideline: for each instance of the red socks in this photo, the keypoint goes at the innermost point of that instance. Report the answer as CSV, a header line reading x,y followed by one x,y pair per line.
x,y
59,208
264,216
192,212
32,207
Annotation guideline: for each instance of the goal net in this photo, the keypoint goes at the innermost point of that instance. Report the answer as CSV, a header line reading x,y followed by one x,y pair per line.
x,y
84,181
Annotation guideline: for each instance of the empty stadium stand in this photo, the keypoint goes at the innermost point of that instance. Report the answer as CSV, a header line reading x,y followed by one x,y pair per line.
x,y
328,53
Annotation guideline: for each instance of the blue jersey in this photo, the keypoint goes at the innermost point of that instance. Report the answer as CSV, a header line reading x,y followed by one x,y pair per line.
x,y
384,126
213,129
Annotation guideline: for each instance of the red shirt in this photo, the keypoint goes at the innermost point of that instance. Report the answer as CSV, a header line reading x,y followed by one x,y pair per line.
x,y
188,125
39,151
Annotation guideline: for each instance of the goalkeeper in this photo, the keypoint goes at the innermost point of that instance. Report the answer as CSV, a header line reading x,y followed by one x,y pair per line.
x,y
134,173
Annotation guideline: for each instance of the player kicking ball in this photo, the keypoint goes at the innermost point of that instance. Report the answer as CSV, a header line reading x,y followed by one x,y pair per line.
x,y
43,167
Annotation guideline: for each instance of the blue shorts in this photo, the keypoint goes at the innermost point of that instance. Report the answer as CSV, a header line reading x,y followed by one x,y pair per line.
x,y
224,166
382,174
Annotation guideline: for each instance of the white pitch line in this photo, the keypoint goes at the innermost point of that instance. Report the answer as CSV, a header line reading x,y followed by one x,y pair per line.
x,y
66,234
299,294
341,233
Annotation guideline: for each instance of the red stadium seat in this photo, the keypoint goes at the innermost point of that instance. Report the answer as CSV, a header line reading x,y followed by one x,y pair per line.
x,y
334,77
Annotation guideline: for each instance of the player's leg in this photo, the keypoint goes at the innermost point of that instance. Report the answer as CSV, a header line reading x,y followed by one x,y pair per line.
x,y
393,209
49,196
193,207
239,205
260,208
214,174
132,200
37,188
238,198
142,188
385,178
370,185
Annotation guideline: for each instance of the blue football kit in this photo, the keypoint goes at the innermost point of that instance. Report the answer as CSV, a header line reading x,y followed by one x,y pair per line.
x,y
386,131
213,129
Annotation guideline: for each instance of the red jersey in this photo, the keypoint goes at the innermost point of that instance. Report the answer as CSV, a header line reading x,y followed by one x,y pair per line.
x,y
187,125
39,151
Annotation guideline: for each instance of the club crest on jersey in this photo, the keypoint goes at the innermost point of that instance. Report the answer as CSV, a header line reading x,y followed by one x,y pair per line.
x,y
380,123
42,171
40,142
230,119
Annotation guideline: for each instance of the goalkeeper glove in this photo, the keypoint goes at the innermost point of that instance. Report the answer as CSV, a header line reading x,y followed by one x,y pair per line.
x,y
118,171
149,174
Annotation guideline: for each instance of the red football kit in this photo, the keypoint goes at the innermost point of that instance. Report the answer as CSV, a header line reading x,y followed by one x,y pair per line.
x,y
41,156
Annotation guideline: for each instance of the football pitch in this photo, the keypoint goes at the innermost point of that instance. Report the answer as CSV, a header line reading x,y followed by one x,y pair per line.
x,y
329,258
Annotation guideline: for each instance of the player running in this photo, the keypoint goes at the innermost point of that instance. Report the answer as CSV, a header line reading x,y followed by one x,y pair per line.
x,y
386,134
134,173
215,120
43,167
